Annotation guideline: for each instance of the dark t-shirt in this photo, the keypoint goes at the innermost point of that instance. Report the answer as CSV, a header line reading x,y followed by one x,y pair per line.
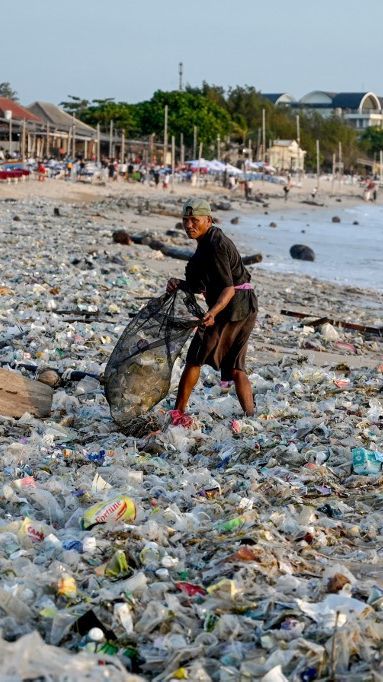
x,y
215,265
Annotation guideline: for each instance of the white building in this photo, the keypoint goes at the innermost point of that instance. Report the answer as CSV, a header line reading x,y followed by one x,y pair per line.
x,y
360,109
286,155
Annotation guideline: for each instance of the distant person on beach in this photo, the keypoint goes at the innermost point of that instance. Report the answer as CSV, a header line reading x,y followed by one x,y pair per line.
x,y
216,269
111,169
286,189
41,171
314,193
165,181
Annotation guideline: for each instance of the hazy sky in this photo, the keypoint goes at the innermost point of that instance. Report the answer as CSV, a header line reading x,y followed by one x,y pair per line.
x,y
126,49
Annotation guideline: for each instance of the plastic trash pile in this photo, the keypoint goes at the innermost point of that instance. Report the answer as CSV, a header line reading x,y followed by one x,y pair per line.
x,y
236,549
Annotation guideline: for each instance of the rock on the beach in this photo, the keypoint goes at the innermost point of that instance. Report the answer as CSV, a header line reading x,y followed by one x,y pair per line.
x,y
302,252
221,206
235,221
355,222
273,224
121,237
329,332
335,219
49,377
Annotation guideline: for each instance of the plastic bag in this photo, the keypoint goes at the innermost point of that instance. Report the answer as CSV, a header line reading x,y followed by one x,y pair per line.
x,y
138,373
30,657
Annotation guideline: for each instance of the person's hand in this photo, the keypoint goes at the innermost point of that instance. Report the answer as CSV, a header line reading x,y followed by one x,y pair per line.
x,y
172,285
208,320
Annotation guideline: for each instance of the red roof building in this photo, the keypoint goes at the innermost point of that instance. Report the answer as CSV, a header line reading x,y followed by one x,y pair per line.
x,y
19,113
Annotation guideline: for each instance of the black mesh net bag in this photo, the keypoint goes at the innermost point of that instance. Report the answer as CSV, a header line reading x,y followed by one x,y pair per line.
x,y
139,370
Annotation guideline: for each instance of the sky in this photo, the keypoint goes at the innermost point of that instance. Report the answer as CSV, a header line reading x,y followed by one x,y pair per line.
x,y
127,49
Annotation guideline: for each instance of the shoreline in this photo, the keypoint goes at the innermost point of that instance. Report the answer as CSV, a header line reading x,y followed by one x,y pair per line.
x,y
67,193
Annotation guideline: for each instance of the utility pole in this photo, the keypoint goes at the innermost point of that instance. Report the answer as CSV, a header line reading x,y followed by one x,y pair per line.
x,y
165,134
180,73
318,163
195,131
264,135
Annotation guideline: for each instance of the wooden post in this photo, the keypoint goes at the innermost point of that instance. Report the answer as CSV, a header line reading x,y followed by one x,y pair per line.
x,y
111,140
199,162
340,169
47,145
318,162
122,152
195,132
73,140
333,173
165,135
299,147
98,144
173,159
182,150
23,139
264,135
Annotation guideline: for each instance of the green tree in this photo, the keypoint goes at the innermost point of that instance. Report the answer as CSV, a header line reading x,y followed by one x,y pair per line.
x,y
104,111
75,105
186,109
6,90
372,140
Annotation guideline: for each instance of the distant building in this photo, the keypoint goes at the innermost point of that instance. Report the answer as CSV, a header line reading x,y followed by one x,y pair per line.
x,y
359,109
286,155
13,119
280,99
62,128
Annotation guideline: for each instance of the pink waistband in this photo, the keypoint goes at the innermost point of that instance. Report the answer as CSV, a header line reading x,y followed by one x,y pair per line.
x,y
244,287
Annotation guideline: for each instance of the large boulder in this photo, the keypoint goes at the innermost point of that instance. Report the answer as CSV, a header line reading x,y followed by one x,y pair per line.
x,y
302,252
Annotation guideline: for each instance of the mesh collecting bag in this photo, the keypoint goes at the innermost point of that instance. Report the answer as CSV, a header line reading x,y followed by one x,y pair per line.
x,y
139,370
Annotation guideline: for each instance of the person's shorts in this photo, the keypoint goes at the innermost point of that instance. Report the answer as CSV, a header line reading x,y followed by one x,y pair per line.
x,y
222,346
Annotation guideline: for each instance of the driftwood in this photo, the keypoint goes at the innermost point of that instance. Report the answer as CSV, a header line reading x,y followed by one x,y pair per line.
x,y
179,252
363,328
71,375
311,203
19,395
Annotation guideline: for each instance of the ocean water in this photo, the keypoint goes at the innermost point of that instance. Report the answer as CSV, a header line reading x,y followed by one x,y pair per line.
x,y
344,253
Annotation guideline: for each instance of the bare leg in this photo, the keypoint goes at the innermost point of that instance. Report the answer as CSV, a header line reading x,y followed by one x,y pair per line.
x,y
188,380
244,391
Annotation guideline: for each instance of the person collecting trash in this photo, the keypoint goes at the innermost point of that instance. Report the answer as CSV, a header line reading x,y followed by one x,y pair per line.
x,y
216,270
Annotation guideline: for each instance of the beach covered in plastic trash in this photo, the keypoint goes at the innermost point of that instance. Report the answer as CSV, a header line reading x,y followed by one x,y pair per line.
x,y
238,549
